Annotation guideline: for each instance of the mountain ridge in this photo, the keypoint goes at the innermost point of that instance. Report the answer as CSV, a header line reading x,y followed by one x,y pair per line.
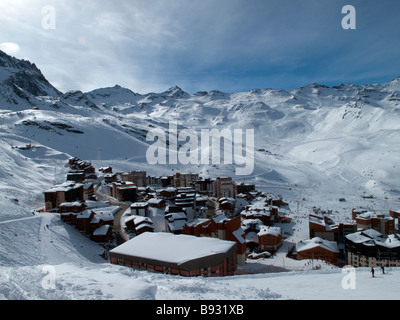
x,y
286,122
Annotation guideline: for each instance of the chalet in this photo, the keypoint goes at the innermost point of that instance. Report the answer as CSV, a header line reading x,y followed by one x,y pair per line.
x,y
251,227
157,203
66,192
129,222
143,224
106,170
140,209
177,255
201,228
83,220
263,214
139,224
78,164
185,198
175,221
75,207
88,190
269,238
260,237
102,234
226,205
275,202
368,248
317,248
324,227
101,218
69,217
219,226
110,178
167,193
201,201
230,229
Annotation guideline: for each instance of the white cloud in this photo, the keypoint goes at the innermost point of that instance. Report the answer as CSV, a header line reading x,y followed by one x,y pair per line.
x,y
10,48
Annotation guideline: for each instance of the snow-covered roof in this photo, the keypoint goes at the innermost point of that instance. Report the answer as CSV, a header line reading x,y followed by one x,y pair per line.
x,y
392,241
139,204
176,216
176,249
105,216
357,237
372,233
197,222
219,218
248,223
252,237
176,225
317,242
256,213
84,214
66,186
274,231
88,185
366,215
155,201
101,231
71,204
201,198
238,234
143,225
139,219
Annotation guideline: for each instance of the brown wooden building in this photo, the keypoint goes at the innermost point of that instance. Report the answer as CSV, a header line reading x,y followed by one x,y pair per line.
x,y
317,249
102,234
178,255
222,228
66,192
269,239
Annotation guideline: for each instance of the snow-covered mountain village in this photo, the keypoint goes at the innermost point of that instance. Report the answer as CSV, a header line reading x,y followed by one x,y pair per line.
x,y
85,216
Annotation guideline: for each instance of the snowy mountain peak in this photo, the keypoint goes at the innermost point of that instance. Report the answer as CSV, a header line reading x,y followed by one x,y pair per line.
x,y
25,76
175,92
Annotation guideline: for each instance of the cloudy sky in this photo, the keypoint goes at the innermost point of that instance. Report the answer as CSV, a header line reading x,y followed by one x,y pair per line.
x,y
227,45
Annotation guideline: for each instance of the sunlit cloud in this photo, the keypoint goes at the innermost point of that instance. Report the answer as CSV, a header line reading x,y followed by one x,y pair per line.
x,y
10,48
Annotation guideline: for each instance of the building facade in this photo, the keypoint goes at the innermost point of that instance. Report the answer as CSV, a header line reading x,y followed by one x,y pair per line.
x,y
177,255
224,187
369,248
66,192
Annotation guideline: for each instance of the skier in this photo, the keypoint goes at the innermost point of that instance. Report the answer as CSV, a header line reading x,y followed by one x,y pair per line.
x,y
383,269
373,272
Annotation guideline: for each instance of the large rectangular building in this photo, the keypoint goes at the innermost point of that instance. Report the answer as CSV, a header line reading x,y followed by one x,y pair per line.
x,y
66,192
177,254
368,248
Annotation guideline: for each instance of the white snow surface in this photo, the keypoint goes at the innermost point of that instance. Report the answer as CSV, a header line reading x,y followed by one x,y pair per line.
x,y
314,146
